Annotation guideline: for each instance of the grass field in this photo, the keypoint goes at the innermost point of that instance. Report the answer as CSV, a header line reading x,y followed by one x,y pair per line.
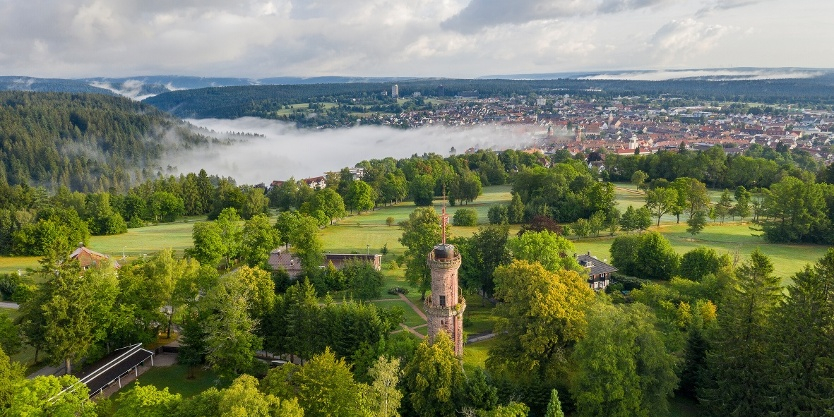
x,y
175,378
369,232
475,354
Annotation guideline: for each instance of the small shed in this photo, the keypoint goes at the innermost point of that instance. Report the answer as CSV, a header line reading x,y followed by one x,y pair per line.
x,y
87,257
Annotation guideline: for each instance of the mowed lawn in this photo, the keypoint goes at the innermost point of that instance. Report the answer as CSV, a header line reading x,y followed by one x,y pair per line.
x,y
131,245
175,378
369,232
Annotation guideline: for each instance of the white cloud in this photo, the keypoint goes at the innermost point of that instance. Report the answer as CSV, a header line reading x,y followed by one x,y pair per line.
x,y
452,38
681,39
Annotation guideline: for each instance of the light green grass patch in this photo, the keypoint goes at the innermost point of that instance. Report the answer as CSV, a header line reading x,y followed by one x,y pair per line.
x,y
410,318
175,378
475,354
478,317
15,264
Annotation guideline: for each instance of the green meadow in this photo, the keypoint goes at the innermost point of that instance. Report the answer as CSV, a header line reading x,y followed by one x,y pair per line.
x,y
368,231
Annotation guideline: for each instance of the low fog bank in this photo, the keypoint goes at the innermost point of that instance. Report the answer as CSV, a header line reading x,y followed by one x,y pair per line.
x,y
755,74
284,151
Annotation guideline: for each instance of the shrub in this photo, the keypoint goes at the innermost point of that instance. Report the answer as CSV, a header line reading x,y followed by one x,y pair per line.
x,y
465,217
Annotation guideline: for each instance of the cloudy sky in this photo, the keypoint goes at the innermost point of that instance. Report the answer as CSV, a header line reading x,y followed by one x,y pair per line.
x,y
449,38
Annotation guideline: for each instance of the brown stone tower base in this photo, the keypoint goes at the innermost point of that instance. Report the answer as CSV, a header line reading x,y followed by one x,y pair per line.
x,y
445,306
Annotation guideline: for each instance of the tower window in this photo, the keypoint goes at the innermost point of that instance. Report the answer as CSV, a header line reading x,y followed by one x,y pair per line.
x,y
442,301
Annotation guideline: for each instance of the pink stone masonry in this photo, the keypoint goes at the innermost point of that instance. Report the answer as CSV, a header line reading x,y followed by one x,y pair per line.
x,y
445,306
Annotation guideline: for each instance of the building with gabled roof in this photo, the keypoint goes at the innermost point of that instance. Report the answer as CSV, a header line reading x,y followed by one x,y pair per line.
x,y
87,257
599,272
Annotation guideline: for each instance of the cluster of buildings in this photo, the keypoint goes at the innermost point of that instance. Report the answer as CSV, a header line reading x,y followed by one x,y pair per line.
x,y
630,124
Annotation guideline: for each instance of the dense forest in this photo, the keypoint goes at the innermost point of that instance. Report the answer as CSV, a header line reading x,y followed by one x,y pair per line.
x,y
266,100
84,142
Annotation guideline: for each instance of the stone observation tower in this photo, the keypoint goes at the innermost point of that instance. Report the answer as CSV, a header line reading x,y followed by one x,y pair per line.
x,y
444,308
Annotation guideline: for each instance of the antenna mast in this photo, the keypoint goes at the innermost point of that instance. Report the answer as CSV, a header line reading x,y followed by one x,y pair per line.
x,y
444,218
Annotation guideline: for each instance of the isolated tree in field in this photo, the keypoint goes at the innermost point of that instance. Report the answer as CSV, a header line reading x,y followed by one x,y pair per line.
x,y
421,232
469,187
550,250
541,313
465,217
697,222
643,218
498,215
739,361
742,208
660,201
628,221
692,195
638,178
724,205
389,221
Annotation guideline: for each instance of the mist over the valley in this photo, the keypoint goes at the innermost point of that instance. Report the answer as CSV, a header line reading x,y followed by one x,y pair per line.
x,y
285,151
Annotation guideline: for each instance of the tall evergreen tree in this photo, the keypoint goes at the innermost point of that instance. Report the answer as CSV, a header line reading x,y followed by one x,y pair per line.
x,y
739,361
554,407
803,337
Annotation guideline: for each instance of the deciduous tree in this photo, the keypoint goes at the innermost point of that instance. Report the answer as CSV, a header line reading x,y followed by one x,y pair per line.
x,y
541,313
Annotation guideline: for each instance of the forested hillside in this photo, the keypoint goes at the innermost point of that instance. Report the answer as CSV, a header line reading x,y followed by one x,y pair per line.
x,y
266,100
85,142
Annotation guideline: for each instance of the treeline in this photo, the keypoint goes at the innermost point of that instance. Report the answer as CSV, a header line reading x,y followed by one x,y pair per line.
x,y
266,100
84,142
758,167
421,179
790,196
34,223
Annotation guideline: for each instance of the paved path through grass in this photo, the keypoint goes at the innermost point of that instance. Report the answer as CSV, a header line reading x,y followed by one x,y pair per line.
x,y
414,307
6,304
412,331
